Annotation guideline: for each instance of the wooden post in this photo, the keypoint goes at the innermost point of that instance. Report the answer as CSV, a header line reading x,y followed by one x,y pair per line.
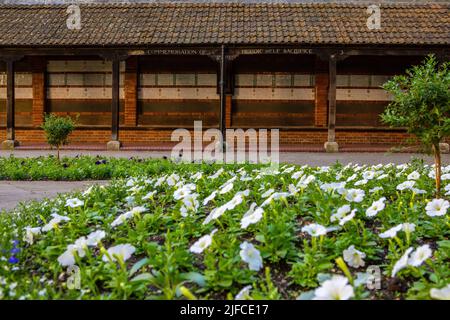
x,y
115,101
10,101
10,141
114,144
222,124
331,144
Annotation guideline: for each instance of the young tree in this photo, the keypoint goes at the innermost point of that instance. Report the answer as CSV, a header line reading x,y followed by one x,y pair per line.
x,y
57,130
421,104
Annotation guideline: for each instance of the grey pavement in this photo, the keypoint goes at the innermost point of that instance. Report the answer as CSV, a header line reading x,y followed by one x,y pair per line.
x,y
13,192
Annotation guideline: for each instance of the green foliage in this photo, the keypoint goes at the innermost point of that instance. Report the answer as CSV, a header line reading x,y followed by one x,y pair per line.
x,y
421,101
57,129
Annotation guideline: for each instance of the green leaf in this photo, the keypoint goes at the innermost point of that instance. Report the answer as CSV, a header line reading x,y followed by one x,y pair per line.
x,y
143,277
195,277
138,265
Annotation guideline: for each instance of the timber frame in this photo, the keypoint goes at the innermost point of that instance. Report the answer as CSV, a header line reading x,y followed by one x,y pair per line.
x,y
223,55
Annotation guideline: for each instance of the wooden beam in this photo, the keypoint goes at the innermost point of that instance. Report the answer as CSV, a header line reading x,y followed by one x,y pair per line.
x,y
10,100
115,101
332,99
222,124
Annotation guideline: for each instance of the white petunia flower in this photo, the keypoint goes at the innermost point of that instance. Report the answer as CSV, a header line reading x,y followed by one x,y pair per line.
x,y
408,227
354,257
297,175
74,203
413,176
341,212
267,193
172,179
121,219
217,174
190,204
383,176
376,207
227,188
354,195
305,181
244,294
183,192
128,215
67,258
53,223
137,210
337,288
252,216
361,182
331,187
421,254
234,202
209,198
347,218
441,294
197,176
251,256
447,188
315,230
275,196
437,207
30,233
149,195
402,262
368,175
392,232
95,237
123,251
406,185
201,244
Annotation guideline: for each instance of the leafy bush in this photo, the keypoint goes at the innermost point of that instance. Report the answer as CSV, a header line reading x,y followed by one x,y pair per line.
x,y
422,105
57,130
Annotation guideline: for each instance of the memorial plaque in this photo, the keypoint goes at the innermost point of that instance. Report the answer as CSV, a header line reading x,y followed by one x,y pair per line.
x,y
206,79
283,80
185,79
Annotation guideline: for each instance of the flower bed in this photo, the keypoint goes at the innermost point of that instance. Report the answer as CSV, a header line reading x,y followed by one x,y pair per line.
x,y
212,232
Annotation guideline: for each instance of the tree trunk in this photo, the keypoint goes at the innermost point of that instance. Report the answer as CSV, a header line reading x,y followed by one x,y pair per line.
x,y
437,168
57,152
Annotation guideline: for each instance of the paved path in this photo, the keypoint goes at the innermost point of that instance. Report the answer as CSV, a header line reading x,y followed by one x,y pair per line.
x,y
311,158
13,192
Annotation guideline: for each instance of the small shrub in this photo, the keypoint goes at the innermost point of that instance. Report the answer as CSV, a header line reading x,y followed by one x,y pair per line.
x,y
57,130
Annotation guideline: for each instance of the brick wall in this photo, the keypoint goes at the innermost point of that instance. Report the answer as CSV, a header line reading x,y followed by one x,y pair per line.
x,y
131,86
38,98
228,110
143,136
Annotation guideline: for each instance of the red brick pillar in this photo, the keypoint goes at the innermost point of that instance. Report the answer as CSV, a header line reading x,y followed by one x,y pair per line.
x,y
38,98
228,109
131,87
321,94
39,69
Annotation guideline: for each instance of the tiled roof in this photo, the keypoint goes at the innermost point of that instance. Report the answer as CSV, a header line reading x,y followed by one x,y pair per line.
x,y
224,23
